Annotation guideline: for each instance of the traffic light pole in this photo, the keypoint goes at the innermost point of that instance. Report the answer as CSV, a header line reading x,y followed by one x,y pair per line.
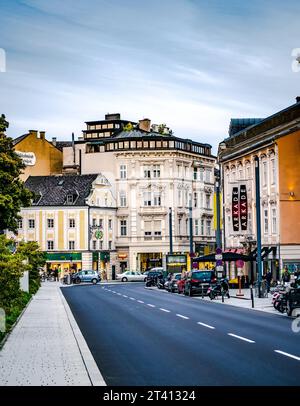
x,y
170,230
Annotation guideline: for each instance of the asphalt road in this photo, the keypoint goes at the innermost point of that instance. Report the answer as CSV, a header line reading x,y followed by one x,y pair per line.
x,y
140,336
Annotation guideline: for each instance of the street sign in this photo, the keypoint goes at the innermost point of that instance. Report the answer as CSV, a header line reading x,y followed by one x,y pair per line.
x,y
218,257
239,263
219,251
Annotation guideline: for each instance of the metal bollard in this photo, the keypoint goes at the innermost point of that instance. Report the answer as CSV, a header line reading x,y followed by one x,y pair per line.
x,y
252,297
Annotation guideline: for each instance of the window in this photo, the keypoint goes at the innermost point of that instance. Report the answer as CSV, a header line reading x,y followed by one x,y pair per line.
x,y
157,228
123,227
50,223
265,173
202,226
94,244
110,224
123,172
71,245
273,173
147,172
147,228
156,171
179,226
208,176
100,223
123,202
71,223
179,198
195,199
50,245
248,172
157,199
109,245
187,226
207,200
94,222
101,245
147,199
266,221
31,223
208,227
20,223
274,221
70,199
196,227
201,174
195,173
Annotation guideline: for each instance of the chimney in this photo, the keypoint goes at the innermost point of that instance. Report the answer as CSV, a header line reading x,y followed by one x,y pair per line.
x,y
298,99
145,124
42,135
54,141
35,133
114,116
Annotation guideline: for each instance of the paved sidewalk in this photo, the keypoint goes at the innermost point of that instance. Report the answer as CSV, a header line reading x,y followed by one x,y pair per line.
x,y
46,347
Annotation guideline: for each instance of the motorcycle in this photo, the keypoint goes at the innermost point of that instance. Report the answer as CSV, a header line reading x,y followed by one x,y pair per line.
x,y
160,283
221,288
151,281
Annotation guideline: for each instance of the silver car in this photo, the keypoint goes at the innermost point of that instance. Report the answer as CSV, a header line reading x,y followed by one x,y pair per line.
x,y
131,276
86,276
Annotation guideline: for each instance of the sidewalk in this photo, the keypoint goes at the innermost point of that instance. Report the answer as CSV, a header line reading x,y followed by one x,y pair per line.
x,y
46,347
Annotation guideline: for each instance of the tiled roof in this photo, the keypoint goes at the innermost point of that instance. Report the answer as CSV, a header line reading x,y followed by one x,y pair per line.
x,y
53,190
61,144
19,139
139,134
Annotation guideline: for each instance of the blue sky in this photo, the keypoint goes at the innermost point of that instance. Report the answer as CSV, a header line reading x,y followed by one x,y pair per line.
x,y
192,64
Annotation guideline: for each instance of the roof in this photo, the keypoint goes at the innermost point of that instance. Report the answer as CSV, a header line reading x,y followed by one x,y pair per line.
x,y
61,144
135,133
238,124
53,190
19,139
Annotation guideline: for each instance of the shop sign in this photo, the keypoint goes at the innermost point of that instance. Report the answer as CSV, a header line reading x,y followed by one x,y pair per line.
x,y
243,207
235,209
122,256
61,256
176,259
239,208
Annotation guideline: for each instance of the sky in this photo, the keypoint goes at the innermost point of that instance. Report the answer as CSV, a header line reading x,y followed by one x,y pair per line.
x,y
192,64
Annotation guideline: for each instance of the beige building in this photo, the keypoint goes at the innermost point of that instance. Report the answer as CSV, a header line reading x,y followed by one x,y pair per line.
x,y
149,172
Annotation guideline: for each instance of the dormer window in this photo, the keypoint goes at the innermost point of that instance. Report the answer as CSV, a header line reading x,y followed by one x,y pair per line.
x,y
36,199
71,198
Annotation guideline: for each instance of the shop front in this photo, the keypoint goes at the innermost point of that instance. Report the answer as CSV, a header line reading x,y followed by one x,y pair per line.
x,y
176,263
150,260
123,261
64,262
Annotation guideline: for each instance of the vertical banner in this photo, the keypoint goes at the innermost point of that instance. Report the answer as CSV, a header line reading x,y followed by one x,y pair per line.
x,y
215,211
243,208
235,209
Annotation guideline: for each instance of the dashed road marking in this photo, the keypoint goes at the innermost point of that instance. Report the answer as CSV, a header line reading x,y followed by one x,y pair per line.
x,y
205,325
125,296
288,355
241,338
164,310
132,298
150,305
182,317
140,301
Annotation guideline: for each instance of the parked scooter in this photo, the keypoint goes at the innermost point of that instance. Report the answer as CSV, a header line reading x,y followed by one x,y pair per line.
x,y
221,288
151,281
160,283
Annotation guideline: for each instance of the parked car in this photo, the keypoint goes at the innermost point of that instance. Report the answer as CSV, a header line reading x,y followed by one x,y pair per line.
x,y
86,276
131,276
198,282
173,283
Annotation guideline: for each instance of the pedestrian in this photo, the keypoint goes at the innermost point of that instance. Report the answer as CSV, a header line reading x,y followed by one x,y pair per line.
x,y
268,280
55,273
286,277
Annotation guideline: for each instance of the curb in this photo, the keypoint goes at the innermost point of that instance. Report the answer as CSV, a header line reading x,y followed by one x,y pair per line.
x,y
5,338
92,369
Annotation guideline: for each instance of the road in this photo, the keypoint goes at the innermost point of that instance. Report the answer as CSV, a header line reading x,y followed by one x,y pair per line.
x,y
140,336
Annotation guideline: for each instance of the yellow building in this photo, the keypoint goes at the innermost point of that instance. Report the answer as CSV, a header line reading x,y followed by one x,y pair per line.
x,y
40,156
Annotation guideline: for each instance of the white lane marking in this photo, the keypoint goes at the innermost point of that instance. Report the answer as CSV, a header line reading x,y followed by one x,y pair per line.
x,y
241,338
150,305
125,296
140,301
132,298
164,310
114,292
205,325
119,294
181,316
288,355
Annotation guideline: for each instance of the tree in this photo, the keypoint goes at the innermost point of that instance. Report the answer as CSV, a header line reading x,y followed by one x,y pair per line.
x,y
36,259
13,194
128,127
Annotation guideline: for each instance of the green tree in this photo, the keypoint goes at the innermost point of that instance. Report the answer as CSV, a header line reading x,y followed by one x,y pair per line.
x,y
36,259
11,269
13,194
128,127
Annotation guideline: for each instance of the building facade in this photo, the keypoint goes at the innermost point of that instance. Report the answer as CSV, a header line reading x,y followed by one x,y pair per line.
x,y
150,173
40,156
73,220
275,142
